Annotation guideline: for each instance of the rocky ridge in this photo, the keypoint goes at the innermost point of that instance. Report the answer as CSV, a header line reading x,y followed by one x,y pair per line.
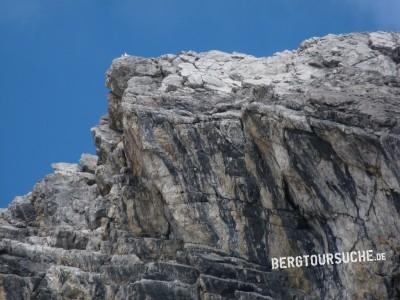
x,y
209,164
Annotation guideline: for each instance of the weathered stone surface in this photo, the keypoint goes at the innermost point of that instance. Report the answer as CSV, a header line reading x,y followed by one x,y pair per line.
x,y
209,164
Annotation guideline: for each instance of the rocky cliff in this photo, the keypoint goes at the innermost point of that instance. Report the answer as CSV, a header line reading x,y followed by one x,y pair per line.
x,y
210,164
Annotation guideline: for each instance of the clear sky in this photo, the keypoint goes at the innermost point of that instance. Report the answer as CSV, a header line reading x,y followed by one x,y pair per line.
x,y
54,54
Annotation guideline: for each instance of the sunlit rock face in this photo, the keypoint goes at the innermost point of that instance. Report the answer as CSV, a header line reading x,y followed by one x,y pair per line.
x,y
210,164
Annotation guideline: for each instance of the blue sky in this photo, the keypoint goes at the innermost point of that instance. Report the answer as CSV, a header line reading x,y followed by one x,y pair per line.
x,y
54,54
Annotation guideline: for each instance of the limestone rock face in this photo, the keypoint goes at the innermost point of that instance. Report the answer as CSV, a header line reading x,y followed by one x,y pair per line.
x,y
210,164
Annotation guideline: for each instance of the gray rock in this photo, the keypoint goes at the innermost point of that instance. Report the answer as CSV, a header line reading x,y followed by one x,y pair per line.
x,y
210,164
88,163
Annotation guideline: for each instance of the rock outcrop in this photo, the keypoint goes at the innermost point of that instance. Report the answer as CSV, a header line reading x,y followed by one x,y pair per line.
x,y
210,164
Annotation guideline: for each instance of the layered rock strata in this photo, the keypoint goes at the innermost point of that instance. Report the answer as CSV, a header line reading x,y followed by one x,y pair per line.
x,y
210,164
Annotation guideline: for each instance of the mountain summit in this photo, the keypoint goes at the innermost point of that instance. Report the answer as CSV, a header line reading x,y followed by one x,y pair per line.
x,y
211,164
